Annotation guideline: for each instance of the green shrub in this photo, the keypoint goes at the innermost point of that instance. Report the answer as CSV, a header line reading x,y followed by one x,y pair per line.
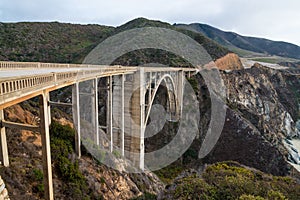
x,y
40,188
275,195
167,174
37,175
62,148
230,181
194,83
194,188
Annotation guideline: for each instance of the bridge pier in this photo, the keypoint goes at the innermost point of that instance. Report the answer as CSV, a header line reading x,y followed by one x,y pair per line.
x,y
118,113
180,91
3,143
46,152
76,117
137,147
109,118
96,110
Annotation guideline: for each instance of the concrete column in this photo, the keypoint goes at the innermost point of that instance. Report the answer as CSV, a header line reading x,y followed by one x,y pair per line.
x,y
76,117
96,110
110,112
123,116
180,91
142,118
3,143
46,153
135,111
49,108
150,89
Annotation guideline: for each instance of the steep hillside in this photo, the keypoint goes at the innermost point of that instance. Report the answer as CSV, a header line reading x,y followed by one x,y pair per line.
x,y
242,44
49,42
70,43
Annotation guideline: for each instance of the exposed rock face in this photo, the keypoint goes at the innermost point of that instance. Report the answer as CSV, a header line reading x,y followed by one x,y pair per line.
x,y
112,184
3,190
231,61
241,141
261,115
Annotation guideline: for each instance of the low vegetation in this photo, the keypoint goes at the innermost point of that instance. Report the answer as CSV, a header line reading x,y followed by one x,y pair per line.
x,y
230,180
62,150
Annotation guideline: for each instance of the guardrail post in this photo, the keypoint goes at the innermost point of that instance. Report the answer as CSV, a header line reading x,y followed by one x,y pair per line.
x,y
46,152
3,143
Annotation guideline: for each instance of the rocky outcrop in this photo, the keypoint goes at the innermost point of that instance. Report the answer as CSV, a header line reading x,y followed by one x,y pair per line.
x,y
261,117
112,184
3,191
231,61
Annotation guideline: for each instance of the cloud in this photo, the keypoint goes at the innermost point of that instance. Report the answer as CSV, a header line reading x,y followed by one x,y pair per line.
x,y
272,19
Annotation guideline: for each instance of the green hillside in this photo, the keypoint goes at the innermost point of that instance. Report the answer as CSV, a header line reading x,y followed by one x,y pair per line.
x,y
245,45
49,42
70,43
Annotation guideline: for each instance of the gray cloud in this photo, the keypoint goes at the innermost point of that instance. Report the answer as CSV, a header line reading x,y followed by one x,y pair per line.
x,y
277,20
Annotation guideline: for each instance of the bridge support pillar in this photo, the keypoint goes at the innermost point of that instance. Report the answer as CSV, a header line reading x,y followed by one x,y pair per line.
x,y
3,143
142,122
110,112
46,153
76,117
180,91
49,108
138,116
96,111
123,115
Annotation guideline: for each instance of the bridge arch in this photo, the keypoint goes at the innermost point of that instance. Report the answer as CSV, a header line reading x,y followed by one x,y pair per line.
x,y
171,91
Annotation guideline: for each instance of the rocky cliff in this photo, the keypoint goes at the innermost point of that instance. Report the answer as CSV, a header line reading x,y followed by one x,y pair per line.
x,y
262,111
230,61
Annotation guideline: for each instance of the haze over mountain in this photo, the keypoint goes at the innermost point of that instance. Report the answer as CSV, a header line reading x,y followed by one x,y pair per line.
x,y
243,45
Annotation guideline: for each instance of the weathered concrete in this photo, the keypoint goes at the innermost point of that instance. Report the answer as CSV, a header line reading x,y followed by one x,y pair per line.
x,y
3,149
46,153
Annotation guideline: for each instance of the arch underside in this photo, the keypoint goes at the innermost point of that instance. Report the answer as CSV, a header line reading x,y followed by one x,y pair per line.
x,y
172,108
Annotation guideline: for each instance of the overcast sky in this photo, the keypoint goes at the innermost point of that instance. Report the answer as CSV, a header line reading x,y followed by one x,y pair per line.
x,y
272,19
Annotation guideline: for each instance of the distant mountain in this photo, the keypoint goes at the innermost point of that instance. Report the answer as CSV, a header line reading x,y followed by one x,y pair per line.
x,y
245,45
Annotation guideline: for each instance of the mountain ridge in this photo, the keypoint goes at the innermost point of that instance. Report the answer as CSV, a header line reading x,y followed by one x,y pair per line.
x,y
237,42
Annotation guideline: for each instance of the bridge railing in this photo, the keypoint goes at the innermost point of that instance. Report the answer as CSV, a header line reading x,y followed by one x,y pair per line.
x,y
24,65
19,83
15,65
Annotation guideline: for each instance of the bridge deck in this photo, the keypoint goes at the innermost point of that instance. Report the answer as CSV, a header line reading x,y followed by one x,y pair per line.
x,y
20,81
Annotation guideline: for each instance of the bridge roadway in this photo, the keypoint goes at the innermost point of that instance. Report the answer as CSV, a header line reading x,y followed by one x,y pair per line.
x,y
20,81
